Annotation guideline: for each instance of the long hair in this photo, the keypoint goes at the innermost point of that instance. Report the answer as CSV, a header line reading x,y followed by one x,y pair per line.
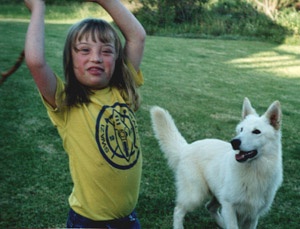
x,y
77,93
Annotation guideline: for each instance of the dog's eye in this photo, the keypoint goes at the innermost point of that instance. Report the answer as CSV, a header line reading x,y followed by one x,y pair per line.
x,y
256,131
242,129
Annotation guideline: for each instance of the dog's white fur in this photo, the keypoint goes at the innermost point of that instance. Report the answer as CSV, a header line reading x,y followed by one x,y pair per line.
x,y
241,192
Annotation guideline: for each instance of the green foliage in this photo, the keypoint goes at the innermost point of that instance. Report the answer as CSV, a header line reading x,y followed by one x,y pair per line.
x,y
230,18
290,18
241,18
158,12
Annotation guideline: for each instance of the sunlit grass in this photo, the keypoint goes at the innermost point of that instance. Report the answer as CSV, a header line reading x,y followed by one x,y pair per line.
x,y
280,62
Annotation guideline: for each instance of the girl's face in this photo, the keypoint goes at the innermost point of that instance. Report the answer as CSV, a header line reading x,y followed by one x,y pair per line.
x,y
94,62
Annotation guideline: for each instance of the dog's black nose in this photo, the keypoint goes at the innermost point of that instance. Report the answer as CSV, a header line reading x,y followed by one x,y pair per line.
x,y
235,143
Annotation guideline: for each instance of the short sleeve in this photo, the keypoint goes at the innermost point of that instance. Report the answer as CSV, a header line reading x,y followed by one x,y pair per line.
x,y
57,115
137,75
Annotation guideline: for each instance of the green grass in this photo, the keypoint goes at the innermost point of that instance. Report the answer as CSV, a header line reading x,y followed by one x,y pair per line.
x,y
201,82
55,13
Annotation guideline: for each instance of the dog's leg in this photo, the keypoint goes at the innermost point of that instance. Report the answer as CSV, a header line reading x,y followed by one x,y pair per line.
x,y
250,224
187,200
191,192
213,207
229,215
178,217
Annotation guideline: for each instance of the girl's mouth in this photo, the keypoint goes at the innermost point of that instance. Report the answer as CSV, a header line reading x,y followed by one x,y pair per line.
x,y
95,70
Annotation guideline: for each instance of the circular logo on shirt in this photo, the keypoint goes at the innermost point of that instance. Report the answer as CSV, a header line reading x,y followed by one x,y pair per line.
x,y
116,136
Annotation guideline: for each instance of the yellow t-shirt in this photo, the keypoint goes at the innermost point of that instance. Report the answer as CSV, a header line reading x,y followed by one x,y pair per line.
x,y
105,157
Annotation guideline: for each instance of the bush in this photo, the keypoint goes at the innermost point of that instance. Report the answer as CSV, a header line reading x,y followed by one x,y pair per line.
x,y
158,13
235,18
290,18
241,18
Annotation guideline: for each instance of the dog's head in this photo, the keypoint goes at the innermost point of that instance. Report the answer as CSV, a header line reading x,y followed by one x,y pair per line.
x,y
256,133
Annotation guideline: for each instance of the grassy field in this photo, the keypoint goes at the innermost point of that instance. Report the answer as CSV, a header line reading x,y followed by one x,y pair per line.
x,y
57,13
201,82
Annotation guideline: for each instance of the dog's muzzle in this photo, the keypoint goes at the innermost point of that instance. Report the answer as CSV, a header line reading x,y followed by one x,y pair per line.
x,y
235,143
242,156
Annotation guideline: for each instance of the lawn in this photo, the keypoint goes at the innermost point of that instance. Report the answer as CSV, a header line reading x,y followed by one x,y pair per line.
x,y
201,82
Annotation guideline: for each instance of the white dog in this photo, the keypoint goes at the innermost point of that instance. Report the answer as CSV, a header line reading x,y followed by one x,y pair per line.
x,y
242,177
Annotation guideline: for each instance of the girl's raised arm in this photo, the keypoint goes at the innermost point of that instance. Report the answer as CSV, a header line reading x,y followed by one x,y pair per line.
x,y
34,52
130,27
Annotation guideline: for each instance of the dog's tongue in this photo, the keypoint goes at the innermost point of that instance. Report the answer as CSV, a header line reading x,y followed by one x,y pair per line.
x,y
244,156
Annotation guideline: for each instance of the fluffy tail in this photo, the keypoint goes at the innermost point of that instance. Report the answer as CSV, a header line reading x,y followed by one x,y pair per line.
x,y
167,134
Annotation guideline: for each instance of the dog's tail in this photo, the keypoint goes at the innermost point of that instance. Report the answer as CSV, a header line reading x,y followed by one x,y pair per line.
x,y
167,134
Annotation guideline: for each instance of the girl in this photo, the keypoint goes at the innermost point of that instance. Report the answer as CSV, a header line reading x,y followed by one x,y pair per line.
x,y
93,111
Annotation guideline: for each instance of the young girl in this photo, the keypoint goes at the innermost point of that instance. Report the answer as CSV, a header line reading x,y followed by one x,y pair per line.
x,y
93,112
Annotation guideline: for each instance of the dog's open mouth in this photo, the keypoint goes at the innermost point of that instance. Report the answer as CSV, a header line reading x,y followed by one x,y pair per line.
x,y
244,156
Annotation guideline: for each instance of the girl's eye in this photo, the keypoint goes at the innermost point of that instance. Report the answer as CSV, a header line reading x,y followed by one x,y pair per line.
x,y
256,131
84,50
107,51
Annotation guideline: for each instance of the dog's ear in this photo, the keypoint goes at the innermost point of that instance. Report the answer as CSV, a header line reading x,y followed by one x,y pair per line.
x,y
247,108
274,115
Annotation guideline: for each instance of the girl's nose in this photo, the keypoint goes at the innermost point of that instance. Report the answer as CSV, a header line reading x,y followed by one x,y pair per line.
x,y
96,57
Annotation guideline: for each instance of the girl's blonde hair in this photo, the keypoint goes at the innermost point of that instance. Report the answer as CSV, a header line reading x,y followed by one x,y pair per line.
x,y
77,93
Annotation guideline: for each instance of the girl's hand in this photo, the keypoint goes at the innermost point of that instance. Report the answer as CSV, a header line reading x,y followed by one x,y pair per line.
x,y
32,4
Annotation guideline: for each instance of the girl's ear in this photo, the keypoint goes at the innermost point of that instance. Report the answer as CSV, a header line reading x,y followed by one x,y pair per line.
x,y
247,108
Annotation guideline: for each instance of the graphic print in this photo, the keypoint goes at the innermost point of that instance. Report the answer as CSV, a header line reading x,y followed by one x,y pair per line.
x,y
116,136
